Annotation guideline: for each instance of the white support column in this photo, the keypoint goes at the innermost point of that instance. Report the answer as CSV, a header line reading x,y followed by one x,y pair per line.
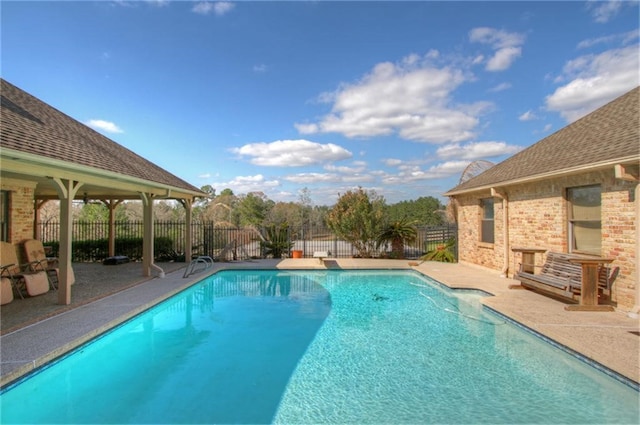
x,y
188,237
67,190
147,236
505,230
111,205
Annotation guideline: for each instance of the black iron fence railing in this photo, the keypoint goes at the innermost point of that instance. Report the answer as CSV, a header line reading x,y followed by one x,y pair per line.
x,y
91,240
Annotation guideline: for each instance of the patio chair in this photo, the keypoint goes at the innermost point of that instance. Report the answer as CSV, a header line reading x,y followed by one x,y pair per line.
x,y
6,291
38,261
33,282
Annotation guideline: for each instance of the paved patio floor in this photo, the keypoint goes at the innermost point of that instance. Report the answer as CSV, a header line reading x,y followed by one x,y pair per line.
x,y
38,330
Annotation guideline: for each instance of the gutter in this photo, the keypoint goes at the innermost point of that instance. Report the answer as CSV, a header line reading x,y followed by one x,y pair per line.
x,y
544,176
50,163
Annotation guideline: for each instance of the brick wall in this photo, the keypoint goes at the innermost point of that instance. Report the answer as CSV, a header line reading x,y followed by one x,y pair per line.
x,y
21,210
538,218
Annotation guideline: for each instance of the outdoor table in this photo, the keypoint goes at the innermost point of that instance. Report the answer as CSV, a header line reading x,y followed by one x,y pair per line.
x,y
528,258
589,284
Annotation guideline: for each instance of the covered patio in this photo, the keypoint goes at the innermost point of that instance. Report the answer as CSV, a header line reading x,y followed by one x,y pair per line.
x,y
93,282
47,155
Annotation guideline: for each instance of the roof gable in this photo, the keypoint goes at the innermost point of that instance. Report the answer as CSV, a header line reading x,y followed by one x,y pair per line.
x,y
34,127
610,133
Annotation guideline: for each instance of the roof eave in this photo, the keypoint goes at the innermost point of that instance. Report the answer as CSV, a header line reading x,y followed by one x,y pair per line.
x,y
552,174
37,165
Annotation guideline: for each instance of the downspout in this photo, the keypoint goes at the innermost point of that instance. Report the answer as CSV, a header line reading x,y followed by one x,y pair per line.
x,y
505,230
160,271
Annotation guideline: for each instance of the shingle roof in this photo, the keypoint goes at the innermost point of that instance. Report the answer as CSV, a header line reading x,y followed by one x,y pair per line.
x,y
608,134
31,126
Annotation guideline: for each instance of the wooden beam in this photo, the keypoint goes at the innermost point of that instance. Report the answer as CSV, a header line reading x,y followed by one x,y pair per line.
x,y
626,172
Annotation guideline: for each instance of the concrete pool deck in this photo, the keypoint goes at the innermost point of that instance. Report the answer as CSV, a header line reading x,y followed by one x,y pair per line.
x,y
610,339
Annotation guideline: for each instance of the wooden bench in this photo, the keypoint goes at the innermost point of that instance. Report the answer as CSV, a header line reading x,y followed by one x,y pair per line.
x,y
563,275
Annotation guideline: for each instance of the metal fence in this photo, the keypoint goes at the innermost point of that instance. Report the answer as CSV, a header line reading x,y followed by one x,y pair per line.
x,y
91,239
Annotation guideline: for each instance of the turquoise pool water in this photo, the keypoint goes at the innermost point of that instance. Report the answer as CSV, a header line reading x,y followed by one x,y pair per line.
x,y
319,347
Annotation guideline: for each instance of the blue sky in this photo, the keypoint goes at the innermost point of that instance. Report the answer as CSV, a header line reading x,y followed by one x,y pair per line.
x,y
280,96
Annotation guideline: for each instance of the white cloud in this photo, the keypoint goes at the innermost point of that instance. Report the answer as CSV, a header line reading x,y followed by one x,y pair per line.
x,y
506,45
500,87
358,178
410,99
604,11
260,68
625,38
392,162
309,178
158,3
123,3
415,173
528,116
307,128
594,80
497,39
503,58
103,125
340,176
357,167
546,129
476,150
219,8
246,184
292,153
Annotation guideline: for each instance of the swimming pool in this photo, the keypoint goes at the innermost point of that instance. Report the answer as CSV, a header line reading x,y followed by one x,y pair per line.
x,y
319,347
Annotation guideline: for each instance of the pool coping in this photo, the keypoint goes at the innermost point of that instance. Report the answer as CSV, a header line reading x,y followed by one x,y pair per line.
x,y
28,349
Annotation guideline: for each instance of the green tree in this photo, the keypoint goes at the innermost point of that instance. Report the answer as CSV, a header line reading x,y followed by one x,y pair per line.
x,y
92,212
398,233
358,218
443,253
253,209
284,212
424,211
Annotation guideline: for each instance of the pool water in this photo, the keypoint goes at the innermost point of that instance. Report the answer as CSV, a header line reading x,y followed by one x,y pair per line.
x,y
319,347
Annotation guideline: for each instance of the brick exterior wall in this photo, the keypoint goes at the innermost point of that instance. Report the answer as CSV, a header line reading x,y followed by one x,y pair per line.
x,y
537,216
21,209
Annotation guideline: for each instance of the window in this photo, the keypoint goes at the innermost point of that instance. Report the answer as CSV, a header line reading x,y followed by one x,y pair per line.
x,y
585,225
486,226
4,216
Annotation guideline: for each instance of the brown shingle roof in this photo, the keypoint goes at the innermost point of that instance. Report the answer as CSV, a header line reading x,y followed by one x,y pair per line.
x,y
608,134
31,126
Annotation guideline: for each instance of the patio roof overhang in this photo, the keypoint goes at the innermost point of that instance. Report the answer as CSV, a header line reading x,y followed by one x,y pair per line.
x,y
96,183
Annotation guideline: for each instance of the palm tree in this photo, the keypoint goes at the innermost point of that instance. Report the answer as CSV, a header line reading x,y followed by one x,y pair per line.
x,y
277,241
443,253
398,233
